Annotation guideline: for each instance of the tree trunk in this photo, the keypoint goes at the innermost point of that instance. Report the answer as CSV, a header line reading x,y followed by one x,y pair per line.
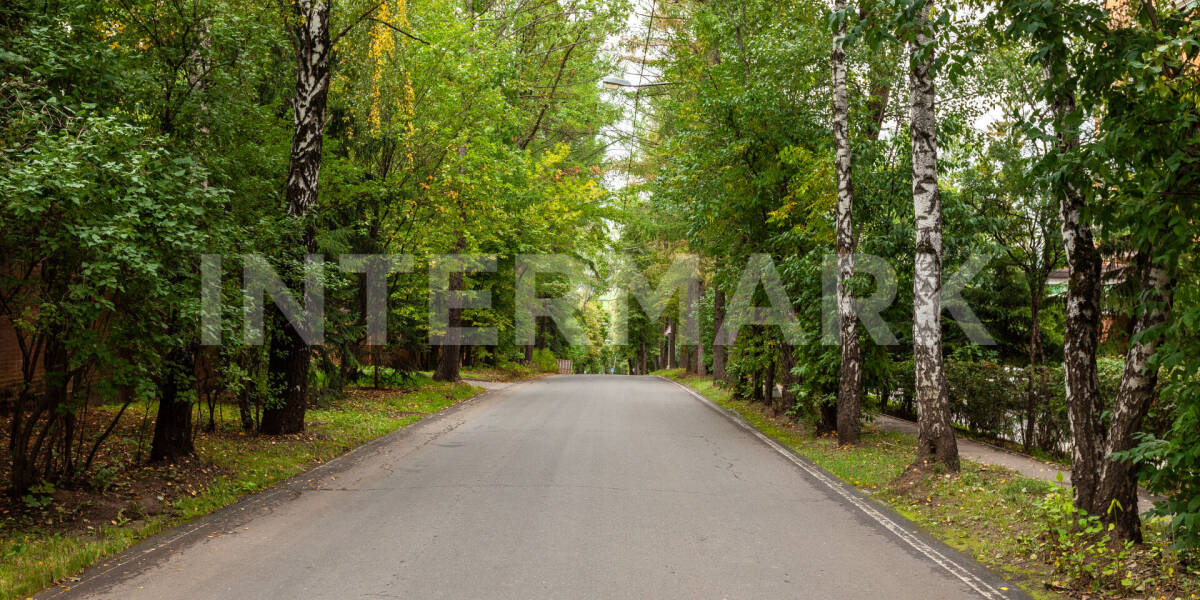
x,y
287,367
935,435
244,412
827,418
28,431
1082,327
787,360
769,387
719,350
1034,397
173,427
1116,499
756,385
849,397
311,41
672,359
450,358
697,366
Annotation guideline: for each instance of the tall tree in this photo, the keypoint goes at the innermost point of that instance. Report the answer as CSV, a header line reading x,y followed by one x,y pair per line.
x,y
935,434
719,350
173,426
849,397
1141,206
1117,487
450,352
308,27
695,293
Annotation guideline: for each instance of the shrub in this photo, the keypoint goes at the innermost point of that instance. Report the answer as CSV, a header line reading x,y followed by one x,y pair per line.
x,y
544,360
990,399
1091,561
816,373
986,397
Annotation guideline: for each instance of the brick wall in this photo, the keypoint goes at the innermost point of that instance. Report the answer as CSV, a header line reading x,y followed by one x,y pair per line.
x,y
11,360
10,356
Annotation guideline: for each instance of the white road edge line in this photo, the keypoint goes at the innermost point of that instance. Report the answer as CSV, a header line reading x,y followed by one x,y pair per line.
x,y
983,588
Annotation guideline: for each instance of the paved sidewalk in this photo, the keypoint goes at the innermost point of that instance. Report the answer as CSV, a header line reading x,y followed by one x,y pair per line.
x,y
994,455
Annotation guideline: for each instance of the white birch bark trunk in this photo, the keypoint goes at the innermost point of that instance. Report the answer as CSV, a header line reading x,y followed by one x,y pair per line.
x,y
311,41
849,399
1081,329
1116,492
936,443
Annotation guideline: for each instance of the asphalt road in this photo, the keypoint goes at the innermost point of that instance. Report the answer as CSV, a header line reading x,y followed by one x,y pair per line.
x,y
566,487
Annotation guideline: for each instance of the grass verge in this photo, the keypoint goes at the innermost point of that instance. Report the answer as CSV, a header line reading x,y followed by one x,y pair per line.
x,y
45,545
1003,520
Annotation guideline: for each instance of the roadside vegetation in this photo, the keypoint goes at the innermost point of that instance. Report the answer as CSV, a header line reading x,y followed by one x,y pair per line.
x,y
50,534
1016,181
141,140
1022,528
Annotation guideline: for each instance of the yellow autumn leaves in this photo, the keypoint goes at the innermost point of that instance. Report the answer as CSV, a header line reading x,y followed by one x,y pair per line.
x,y
381,54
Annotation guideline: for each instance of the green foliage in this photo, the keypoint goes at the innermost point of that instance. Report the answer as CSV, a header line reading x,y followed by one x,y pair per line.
x,y
544,360
40,496
1081,546
982,395
816,374
106,476
134,138
1133,73
1170,462
376,376
1089,560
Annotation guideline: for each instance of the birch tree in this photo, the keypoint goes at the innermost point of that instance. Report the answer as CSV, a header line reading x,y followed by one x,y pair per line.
x,y
849,397
308,27
1134,204
1082,326
935,435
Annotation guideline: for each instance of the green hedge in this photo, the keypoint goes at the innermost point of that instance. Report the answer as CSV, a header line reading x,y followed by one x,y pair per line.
x,y
998,401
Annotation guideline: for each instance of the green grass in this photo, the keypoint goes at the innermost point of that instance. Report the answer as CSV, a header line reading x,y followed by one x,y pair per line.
x,y
33,559
510,372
